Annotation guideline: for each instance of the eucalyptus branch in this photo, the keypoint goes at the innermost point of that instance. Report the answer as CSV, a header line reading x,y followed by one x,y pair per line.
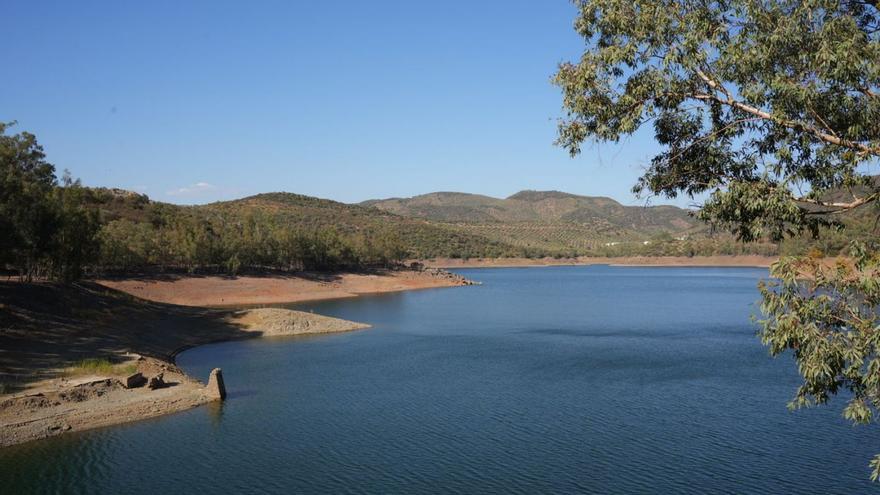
x,y
841,206
791,124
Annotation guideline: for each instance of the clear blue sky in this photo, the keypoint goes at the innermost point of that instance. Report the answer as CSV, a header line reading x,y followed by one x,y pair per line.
x,y
193,102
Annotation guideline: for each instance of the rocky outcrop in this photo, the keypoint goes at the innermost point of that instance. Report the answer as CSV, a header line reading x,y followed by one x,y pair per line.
x,y
134,380
157,381
440,273
216,389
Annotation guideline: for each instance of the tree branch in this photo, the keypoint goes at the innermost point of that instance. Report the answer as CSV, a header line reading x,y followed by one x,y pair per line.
x,y
732,102
840,207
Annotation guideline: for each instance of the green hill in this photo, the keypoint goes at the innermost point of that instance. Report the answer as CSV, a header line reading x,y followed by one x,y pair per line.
x,y
266,229
446,224
544,220
422,239
147,227
540,207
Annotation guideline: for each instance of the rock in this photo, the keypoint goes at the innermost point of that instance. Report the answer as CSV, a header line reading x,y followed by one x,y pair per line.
x,y
157,381
216,389
134,381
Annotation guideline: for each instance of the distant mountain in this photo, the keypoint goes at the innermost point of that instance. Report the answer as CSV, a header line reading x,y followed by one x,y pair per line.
x,y
598,213
548,221
451,224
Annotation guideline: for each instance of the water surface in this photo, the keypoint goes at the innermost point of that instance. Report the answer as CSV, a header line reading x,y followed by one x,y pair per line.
x,y
564,379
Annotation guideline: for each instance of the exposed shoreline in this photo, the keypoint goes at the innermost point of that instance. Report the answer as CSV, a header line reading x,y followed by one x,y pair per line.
x,y
170,314
248,290
755,261
66,404
51,403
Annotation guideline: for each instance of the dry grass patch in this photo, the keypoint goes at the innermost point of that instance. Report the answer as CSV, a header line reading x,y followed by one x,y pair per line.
x,y
100,366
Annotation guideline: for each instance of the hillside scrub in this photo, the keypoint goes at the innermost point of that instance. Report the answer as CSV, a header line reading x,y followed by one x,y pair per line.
x,y
67,230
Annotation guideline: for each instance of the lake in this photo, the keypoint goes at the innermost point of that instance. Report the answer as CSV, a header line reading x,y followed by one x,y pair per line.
x,y
559,379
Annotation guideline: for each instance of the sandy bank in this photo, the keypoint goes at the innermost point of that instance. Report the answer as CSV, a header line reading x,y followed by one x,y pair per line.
x,y
720,261
46,329
270,322
276,289
63,405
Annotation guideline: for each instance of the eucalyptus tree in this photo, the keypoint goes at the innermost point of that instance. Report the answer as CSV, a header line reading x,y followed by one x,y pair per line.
x,y
763,109
44,229
27,220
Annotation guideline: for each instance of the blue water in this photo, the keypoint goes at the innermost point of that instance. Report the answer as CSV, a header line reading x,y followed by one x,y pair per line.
x,y
542,380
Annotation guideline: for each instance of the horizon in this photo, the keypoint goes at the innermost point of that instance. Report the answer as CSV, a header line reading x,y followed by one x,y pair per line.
x,y
647,204
191,105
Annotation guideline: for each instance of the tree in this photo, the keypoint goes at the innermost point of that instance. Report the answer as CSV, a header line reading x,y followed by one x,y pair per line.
x,y
25,179
45,229
74,242
763,108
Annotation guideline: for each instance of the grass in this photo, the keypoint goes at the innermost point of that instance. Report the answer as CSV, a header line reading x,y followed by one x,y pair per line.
x,y
100,366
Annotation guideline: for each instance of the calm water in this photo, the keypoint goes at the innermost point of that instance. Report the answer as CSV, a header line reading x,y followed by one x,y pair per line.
x,y
572,379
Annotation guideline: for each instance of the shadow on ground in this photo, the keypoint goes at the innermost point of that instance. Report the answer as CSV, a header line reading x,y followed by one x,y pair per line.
x,y
45,327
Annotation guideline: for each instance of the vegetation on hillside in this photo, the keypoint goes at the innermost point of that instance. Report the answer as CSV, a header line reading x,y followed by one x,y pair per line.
x,y
139,235
558,224
773,110
603,215
68,229
51,228
59,229
45,231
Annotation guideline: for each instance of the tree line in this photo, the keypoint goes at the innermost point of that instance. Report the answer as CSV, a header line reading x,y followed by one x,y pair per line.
x,y
194,242
45,229
53,228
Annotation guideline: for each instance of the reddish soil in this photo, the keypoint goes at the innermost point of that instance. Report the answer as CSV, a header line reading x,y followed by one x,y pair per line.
x,y
275,289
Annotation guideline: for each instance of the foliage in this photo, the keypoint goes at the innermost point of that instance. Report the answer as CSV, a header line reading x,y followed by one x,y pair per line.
x,y
58,229
187,238
750,100
763,108
44,228
826,314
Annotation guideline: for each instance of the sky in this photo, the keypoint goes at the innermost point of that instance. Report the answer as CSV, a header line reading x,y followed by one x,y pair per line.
x,y
193,102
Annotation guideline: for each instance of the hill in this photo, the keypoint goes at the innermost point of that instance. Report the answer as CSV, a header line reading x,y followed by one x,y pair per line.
x,y
550,221
290,231
422,239
444,224
260,230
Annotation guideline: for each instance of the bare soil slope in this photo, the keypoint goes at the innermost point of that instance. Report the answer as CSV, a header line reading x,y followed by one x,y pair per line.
x,y
253,290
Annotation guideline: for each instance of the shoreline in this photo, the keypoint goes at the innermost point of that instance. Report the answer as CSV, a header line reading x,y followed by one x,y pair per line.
x,y
745,261
70,403
155,318
52,403
248,290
